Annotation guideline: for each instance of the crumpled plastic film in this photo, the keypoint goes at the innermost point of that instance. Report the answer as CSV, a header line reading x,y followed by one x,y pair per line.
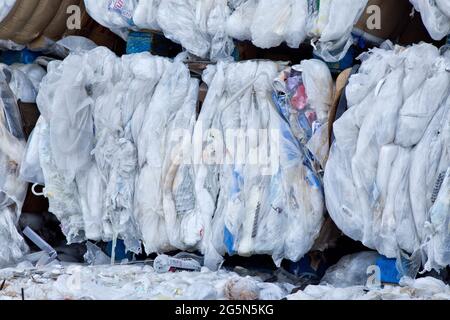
x,y
5,8
12,189
435,16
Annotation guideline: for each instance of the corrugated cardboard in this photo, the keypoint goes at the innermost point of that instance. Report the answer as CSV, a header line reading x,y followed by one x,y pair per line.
x,y
37,22
17,18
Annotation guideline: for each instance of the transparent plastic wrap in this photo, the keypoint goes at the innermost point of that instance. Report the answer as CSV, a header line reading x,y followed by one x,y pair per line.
x,y
195,27
240,21
303,95
146,13
387,156
5,8
12,189
351,270
169,95
30,169
444,6
435,16
14,246
335,35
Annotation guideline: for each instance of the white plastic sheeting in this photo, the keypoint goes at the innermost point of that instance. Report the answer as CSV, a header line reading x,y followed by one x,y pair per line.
x,y
268,23
199,26
391,147
12,189
272,206
205,28
104,147
133,282
435,16
420,289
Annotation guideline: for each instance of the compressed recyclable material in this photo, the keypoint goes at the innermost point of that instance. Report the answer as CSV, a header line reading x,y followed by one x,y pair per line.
x,y
385,168
5,8
268,23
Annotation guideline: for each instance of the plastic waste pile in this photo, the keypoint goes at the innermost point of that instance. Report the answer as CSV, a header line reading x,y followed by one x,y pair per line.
x,y
385,182
435,16
5,8
16,82
199,26
268,23
358,277
135,282
263,192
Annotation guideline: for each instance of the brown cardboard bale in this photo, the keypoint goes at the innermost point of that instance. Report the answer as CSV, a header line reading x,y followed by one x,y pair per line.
x,y
41,17
56,28
17,18
394,17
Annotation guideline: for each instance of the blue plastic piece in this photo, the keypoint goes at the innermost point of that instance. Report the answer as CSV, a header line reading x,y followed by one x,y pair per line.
x,y
24,56
121,253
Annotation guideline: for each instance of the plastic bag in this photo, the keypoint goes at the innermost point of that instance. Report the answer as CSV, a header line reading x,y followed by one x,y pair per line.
x,y
5,8
335,33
